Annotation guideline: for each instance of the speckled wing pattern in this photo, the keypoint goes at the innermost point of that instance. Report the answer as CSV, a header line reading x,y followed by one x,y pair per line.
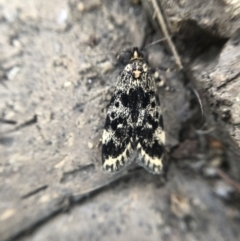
x,y
134,123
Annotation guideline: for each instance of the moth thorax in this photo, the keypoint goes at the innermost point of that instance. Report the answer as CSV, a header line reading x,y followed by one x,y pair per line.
x,y
137,74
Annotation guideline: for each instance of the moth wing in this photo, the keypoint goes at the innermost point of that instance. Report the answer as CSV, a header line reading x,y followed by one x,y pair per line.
x,y
150,136
117,139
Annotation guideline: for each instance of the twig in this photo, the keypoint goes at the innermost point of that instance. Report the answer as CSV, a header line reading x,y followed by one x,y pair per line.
x,y
155,42
199,100
32,121
166,34
229,180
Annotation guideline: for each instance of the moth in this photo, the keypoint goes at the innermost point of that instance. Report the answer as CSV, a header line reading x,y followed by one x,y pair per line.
x,y
134,123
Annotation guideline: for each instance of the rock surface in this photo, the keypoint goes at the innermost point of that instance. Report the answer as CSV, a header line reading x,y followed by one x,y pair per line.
x,y
57,63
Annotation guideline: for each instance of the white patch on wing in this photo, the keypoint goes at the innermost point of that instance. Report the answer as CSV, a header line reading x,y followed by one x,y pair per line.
x,y
113,161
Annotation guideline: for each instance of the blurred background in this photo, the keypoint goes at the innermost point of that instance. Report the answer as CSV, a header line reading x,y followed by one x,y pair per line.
x,y
59,60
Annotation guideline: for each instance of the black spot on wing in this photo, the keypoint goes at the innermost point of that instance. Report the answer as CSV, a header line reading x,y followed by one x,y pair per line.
x,y
109,167
113,114
144,133
153,149
151,121
125,99
114,123
117,164
122,161
113,150
108,122
122,133
143,98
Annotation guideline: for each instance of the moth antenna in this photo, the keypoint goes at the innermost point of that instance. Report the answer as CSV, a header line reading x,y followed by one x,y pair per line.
x,y
155,42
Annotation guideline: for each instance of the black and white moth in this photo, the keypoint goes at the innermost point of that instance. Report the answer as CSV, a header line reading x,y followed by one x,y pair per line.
x,y
134,123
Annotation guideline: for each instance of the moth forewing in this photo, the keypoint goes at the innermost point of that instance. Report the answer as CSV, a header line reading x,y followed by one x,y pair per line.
x,y
134,124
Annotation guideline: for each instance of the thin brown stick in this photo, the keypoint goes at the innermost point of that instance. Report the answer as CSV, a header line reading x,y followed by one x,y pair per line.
x,y
155,42
166,34
199,100
229,180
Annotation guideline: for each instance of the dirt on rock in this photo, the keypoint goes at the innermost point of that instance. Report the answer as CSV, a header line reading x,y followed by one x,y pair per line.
x,y
58,61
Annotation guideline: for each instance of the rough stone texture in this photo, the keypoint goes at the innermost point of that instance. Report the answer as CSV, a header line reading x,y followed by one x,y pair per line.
x,y
207,36
218,17
208,23
220,77
57,62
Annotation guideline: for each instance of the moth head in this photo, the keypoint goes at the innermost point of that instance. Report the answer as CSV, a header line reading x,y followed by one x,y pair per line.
x,y
136,54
